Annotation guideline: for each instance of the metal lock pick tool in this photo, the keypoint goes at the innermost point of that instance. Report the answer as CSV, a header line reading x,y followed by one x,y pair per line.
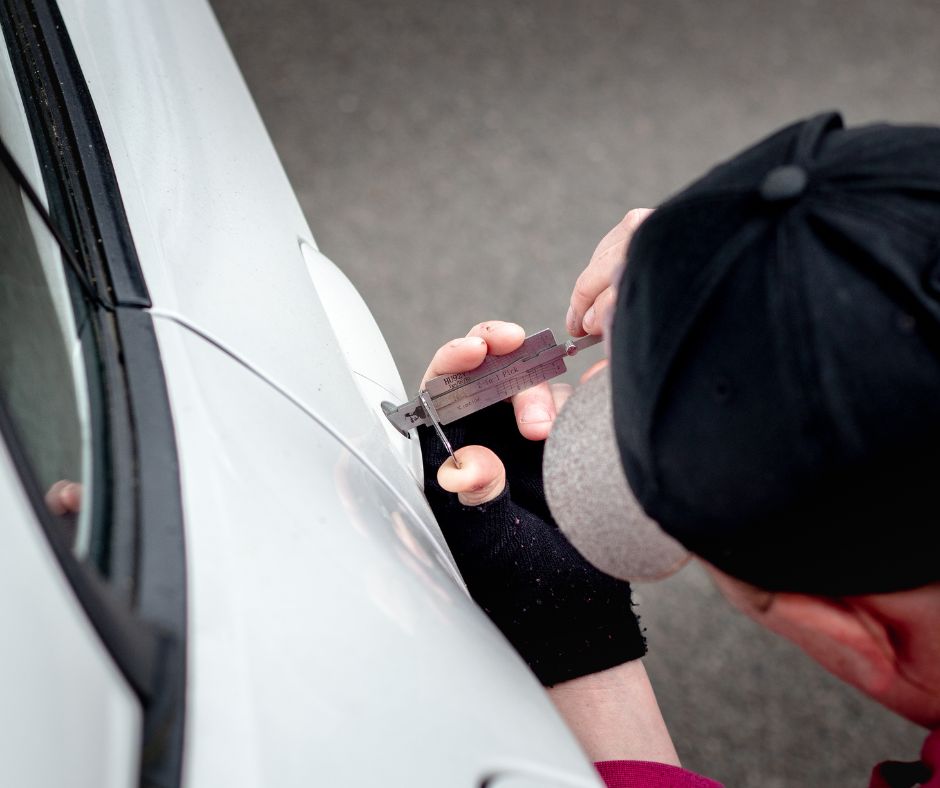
x,y
446,398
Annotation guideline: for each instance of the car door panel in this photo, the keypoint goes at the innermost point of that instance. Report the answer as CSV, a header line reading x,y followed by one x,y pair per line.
x,y
328,637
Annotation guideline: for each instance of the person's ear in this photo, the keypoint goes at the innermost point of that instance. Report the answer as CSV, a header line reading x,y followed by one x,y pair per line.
x,y
846,639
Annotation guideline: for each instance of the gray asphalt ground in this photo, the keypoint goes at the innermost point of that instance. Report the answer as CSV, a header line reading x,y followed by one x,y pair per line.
x,y
459,161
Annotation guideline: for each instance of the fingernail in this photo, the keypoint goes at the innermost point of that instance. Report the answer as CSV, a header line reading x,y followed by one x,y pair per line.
x,y
588,321
535,414
569,319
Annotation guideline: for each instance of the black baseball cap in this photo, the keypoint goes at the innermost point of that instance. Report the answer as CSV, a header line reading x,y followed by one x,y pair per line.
x,y
775,363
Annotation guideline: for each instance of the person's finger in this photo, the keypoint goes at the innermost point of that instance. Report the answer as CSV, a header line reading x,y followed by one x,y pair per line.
x,y
458,355
480,478
537,407
596,277
494,337
535,411
603,269
64,497
54,498
71,497
500,337
595,319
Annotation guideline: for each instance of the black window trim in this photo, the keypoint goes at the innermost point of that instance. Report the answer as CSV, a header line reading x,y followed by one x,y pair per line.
x,y
140,614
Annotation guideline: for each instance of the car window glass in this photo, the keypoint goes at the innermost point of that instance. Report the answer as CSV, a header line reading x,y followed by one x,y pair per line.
x,y
42,375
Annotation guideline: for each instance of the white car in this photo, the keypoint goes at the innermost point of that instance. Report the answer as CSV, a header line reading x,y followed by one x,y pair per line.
x,y
251,590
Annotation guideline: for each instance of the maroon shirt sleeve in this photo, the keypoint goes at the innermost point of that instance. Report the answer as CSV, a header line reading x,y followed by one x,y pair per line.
x,y
647,774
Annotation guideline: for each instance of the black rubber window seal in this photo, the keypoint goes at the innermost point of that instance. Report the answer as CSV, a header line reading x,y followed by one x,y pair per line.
x,y
74,152
139,611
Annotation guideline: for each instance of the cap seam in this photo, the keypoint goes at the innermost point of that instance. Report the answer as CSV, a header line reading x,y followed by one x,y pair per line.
x,y
850,203
806,358
701,294
860,181
809,138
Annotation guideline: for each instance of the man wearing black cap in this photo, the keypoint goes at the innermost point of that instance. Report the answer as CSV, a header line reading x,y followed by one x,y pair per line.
x,y
772,405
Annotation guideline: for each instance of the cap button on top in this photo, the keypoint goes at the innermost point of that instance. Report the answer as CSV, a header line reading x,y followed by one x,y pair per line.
x,y
784,183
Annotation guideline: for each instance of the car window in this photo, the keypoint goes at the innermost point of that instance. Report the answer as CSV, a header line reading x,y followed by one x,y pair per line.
x,y
42,373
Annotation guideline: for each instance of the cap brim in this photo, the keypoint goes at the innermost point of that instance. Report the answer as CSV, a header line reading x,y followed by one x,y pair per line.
x,y
589,495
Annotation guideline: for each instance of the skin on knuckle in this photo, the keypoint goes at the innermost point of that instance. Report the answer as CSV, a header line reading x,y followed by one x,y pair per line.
x,y
611,257
473,476
451,357
583,293
480,485
635,217
442,353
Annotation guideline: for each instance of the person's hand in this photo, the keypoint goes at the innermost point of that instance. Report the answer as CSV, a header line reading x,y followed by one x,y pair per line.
x,y
565,617
64,498
595,291
480,477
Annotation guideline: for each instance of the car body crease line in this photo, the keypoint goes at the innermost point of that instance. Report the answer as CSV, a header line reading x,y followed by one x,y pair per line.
x,y
164,314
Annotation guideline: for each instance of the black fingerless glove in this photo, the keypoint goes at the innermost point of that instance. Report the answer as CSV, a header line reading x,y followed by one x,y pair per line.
x,y
565,617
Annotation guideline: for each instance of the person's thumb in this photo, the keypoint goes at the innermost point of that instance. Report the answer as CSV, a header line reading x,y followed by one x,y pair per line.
x,y
481,476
